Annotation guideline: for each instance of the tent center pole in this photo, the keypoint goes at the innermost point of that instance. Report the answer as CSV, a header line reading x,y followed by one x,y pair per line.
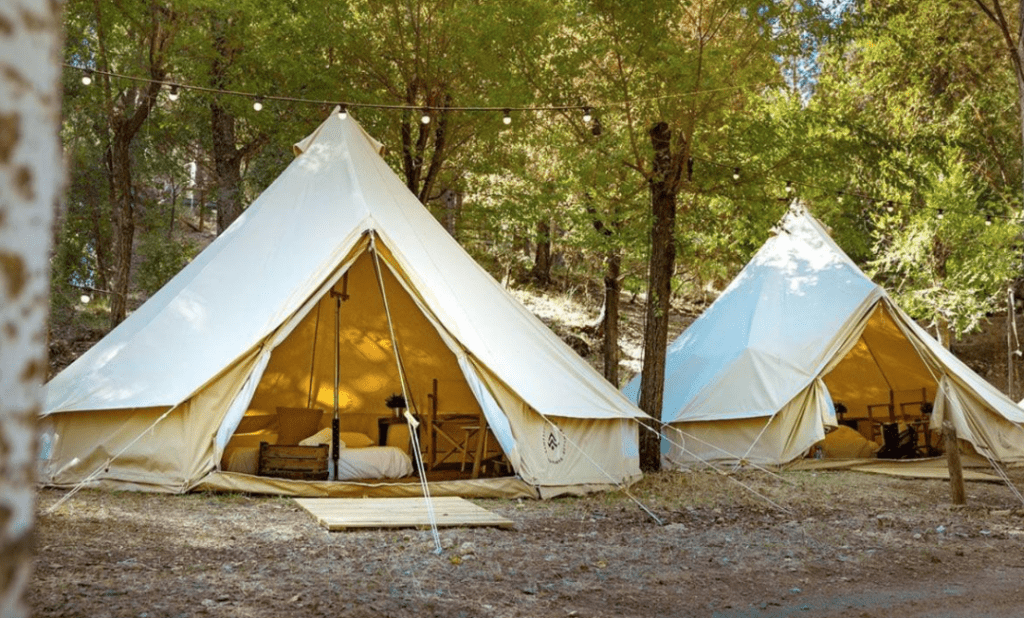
x,y
338,297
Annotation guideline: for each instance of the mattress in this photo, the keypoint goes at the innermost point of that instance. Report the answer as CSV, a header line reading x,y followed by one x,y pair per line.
x,y
370,462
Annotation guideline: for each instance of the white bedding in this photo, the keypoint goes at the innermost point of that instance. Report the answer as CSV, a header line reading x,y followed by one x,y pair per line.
x,y
371,462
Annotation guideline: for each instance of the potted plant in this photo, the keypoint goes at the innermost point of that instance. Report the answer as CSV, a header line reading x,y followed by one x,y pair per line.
x,y
396,402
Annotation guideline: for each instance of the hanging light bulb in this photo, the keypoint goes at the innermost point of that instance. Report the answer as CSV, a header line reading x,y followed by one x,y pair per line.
x,y
736,173
425,118
839,196
87,77
258,104
586,114
789,186
988,219
941,214
85,299
173,94
507,118
343,112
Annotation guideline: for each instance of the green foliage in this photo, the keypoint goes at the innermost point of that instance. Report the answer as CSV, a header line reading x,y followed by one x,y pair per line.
x,y
906,101
935,267
919,107
160,260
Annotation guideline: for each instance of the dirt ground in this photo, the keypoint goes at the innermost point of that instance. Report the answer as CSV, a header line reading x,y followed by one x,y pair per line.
x,y
752,544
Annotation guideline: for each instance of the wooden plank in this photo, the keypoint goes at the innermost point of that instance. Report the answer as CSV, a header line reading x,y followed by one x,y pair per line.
x,y
344,513
275,463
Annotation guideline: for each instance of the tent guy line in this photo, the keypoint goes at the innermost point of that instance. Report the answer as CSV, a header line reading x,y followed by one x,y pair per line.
x,y
725,473
410,418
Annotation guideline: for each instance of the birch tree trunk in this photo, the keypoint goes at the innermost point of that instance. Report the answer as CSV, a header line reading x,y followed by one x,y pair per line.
x,y
31,174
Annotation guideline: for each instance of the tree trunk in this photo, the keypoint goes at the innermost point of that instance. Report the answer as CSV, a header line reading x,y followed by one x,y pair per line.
x,y
31,173
542,255
610,326
609,320
421,176
227,166
452,201
227,156
101,241
123,214
663,187
1017,53
125,124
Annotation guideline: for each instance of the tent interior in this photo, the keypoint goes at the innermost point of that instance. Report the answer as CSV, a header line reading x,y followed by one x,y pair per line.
x,y
881,382
343,350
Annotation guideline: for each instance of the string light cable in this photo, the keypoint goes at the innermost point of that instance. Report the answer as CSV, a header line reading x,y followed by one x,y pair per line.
x,y
890,205
89,75
587,111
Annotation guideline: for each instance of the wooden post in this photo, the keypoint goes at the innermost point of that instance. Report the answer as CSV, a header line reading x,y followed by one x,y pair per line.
x,y
1009,344
431,419
956,472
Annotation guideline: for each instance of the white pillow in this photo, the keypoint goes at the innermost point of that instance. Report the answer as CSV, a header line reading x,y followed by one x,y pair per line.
x,y
321,437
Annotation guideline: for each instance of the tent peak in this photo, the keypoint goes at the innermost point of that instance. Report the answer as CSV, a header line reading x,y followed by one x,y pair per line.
x,y
335,128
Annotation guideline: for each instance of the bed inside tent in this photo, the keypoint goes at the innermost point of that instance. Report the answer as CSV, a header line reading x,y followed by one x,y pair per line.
x,y
342,352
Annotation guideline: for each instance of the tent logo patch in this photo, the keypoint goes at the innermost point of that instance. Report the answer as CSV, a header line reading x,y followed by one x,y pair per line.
x,y
554,442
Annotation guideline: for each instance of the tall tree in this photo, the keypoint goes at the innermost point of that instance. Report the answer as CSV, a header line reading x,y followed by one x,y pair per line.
x,y
1012,35
227,155
227,60
125,37
921,104
30,182
684,73
427,56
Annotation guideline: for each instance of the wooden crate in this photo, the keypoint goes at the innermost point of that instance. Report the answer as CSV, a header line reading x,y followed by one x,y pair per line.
x,y
293,462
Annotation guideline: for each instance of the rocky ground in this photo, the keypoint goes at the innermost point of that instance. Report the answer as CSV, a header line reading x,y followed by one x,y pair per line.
x,y
752,544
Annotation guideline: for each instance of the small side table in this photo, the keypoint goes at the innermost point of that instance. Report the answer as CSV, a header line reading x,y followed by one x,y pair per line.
x,y
384,422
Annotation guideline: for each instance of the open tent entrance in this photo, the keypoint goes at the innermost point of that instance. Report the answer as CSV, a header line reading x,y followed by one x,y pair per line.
x,y
881,384
294,399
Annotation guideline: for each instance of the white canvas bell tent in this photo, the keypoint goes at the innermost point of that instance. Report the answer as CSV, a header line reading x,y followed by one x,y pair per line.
x,y
249,326
755,377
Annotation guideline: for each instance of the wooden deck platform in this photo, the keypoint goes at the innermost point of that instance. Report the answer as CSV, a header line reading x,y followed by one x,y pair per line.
x,y
348,513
